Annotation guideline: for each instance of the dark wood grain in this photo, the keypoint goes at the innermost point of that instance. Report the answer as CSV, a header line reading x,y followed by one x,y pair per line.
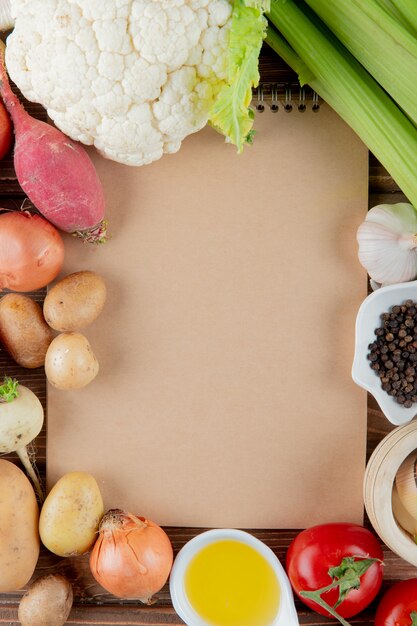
x,y
93,605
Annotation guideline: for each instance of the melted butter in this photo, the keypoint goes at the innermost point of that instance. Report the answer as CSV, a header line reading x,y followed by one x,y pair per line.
x,y
228,583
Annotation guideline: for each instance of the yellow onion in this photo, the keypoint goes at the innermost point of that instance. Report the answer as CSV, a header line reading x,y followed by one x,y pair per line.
x,y
132,557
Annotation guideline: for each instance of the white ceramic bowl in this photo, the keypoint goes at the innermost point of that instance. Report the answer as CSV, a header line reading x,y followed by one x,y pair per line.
x,y
368,319
287,615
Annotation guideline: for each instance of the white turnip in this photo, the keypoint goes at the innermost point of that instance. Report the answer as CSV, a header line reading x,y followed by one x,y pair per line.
x,y
21,420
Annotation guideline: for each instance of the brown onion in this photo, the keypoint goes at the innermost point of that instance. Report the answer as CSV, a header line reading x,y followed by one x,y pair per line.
x,y
31,251
132,557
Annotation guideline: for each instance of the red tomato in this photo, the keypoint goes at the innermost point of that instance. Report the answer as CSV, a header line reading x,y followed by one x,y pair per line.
x,y
398,604
315,550
6,131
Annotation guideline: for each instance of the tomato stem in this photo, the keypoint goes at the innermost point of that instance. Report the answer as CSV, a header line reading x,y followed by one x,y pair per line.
x,y
345,577
413,616
312,595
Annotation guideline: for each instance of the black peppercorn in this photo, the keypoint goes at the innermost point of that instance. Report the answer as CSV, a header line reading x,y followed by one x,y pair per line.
x,y
393,353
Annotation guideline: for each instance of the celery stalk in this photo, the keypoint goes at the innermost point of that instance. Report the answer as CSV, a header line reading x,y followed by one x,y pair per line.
x,y
379,42
287,54
346,86
408,9
390,6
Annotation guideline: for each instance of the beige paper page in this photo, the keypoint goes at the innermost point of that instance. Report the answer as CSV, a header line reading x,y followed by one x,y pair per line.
x,y
224,396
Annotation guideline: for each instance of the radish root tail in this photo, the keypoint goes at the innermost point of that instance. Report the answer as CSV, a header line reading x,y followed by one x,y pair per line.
x,y
97,234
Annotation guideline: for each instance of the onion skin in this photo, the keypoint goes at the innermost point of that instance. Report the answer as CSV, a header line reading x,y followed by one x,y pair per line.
x,y
31,251
132,557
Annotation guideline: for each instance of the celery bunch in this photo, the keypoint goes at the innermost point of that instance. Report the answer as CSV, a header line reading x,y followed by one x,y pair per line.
x,y
360,56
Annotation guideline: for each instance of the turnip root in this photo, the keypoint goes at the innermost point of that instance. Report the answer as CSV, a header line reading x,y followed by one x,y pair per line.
x,y
56,173
21,420
47,602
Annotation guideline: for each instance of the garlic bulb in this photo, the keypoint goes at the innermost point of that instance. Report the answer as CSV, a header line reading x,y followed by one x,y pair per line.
x,y
6,19
388,243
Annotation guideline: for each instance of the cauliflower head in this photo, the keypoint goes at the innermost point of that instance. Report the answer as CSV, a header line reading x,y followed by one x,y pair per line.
x,y
132,77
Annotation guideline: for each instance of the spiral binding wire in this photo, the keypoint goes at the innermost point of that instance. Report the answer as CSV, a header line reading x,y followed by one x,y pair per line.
x,y
285,96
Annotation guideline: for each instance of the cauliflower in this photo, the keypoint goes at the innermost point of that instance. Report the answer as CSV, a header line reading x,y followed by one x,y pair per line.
x,y
132,77
135,77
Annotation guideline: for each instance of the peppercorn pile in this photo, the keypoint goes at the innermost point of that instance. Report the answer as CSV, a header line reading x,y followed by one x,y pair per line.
x,y
393,355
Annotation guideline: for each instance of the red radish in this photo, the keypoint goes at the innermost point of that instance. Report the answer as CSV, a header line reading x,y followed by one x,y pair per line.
x,y
6,131
56,173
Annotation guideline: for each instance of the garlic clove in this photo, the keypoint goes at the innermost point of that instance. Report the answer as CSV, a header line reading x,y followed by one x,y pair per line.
x,y
406,484
6,19
388,243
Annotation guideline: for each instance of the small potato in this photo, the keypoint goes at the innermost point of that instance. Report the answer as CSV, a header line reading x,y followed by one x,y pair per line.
x,y
75,301
70,362
71,514
47,602
23,331
19,535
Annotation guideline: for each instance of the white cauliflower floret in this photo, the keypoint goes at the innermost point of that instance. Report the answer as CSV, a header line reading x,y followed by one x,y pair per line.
x,y
132,77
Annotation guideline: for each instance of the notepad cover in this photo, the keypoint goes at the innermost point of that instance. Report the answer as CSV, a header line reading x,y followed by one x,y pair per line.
x,y
224,396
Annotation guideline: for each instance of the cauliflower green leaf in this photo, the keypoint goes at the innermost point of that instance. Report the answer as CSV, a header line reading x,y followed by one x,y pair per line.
x,y
230,114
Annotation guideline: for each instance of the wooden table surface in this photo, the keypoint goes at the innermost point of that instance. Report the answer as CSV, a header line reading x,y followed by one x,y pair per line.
x,y
92,604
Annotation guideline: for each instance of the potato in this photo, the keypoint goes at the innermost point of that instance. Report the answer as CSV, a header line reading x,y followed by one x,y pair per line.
x,y
23,331
19,536
75,301
71,514
70,362
47,602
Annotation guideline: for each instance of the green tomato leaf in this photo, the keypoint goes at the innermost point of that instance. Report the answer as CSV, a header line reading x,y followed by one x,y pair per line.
x,y
230,114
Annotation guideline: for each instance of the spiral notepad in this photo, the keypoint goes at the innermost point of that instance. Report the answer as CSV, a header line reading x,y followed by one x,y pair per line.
x,y
286,97
224,396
